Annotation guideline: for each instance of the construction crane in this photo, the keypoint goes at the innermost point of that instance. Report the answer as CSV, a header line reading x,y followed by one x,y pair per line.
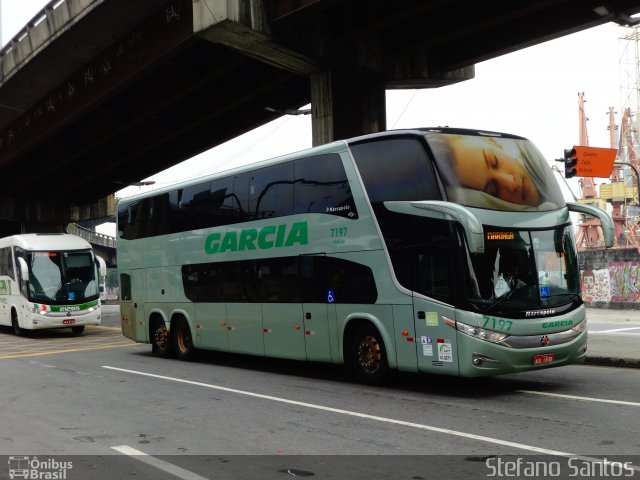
x,y
621,194
589,234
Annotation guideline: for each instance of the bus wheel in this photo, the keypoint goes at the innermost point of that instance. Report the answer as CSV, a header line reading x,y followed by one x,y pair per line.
x,y
78,329
367,359
161,339
183,341
16,326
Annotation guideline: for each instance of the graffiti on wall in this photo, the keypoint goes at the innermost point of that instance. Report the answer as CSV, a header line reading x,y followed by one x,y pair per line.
x,y
596,285
625,281
620,282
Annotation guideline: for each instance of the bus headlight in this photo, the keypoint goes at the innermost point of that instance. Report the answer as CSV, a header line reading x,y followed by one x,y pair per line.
x,y
40,309
477,332
580,327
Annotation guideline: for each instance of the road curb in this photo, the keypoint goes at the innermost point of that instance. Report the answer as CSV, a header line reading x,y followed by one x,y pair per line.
x,y
613,362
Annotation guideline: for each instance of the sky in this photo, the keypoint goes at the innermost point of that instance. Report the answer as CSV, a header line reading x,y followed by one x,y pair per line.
x,y
532,93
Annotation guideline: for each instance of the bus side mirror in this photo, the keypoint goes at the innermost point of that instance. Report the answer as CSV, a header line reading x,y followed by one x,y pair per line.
x,y
102,266
605,220
471,225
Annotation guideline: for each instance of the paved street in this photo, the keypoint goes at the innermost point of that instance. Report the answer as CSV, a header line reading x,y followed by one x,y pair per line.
x,y
614,337
114,410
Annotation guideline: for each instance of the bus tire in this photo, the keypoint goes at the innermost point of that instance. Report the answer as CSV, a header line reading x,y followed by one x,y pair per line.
x,y
18,332
78,329
367,356
183,340
161,344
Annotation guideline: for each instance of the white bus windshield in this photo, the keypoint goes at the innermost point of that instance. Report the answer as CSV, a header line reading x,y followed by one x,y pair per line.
x,y
525,270
61,277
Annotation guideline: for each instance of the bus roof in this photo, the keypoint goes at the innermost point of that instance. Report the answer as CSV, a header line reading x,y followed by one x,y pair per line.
x,y
421,131
46,241
333,147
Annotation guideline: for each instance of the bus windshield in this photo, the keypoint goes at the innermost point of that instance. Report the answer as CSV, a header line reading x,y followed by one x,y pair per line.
x,y
57,277
494,171
524,270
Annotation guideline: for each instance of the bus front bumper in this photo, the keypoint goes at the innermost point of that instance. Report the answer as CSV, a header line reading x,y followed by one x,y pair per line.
x,y
478,358
38,321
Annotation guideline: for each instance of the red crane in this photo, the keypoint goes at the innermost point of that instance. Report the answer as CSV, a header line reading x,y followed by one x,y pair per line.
x,y
589,233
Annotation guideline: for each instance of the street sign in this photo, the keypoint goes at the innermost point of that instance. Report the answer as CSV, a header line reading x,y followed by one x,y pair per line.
x,y
594,162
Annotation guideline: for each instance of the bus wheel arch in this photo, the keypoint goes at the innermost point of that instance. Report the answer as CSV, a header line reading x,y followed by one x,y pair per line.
x,y
182,338
160,336
365,353
15,323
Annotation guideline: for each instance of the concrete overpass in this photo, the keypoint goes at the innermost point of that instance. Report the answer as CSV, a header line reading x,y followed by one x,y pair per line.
x,y
103,245
97,94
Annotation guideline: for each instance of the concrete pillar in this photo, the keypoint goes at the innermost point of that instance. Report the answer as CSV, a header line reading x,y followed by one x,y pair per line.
x,y
346,104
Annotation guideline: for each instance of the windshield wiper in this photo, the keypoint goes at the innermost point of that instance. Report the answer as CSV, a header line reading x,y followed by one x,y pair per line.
x,y
505,296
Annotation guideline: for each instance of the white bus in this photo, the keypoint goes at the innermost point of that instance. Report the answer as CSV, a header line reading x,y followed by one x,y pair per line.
x,y
49,280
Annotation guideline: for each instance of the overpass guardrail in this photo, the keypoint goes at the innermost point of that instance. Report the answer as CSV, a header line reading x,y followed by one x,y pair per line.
x,y
91,236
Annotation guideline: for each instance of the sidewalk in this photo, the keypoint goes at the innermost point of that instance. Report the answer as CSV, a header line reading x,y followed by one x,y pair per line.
x,y
619,349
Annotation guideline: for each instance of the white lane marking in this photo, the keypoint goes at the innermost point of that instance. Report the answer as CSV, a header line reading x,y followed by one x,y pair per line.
x,y
497,441
616,330
584,399
157,463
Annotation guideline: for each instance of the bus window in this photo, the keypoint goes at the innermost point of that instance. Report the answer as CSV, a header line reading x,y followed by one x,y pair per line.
x,y
125,287
321,186
6,262
395,170
271,192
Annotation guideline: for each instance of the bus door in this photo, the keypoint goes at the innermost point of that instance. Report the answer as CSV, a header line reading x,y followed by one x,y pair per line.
x,y
244,312
319,329
433,287
320,326
282,316
132,299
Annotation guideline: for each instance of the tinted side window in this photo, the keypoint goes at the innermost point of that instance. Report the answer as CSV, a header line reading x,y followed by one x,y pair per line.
x,y
241,194
321,186
271,192
127,214
225,204
125,287
421,253
396,170
351,282
207,282
194,207
280,280
334,280
6,263
314,279
220,282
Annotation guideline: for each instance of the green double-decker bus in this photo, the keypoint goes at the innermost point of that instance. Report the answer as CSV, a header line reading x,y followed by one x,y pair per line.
x,y
436,250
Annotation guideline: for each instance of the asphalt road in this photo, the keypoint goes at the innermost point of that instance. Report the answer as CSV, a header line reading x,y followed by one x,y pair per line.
x,y
113,410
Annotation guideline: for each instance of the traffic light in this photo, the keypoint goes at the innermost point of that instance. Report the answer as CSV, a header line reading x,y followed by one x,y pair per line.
x,y
570,163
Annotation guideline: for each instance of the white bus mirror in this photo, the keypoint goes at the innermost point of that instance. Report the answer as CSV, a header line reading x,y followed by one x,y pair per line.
x,y
608,228
471,225
24,269
102,266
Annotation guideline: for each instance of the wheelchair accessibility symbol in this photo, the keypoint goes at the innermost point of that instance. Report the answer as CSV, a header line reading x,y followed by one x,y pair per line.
x,y
330,296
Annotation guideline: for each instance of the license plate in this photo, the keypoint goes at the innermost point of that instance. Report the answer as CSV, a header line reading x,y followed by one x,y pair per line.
x,y
542,359
68,321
